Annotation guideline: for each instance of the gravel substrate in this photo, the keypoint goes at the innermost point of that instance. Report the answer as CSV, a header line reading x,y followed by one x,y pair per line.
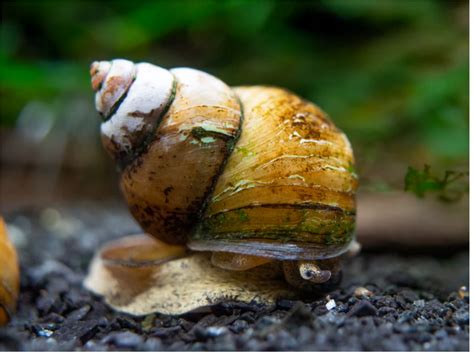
x,y
409,302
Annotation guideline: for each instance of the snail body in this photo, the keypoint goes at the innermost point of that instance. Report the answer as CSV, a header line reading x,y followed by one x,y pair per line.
x,y
253,174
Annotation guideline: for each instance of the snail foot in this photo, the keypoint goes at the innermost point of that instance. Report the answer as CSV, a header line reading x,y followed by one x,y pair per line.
x,y
237,262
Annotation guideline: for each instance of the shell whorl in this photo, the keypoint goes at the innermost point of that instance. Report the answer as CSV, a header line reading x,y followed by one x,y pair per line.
x,y
171,132
131,98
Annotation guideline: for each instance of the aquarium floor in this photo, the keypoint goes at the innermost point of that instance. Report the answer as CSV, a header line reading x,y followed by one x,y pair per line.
x,y
415,303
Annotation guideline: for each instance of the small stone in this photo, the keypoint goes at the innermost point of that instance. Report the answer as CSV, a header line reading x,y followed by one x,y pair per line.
x,y
207,321
166,332
199,332
78,314
186,325
82,330
461,317
238,326
386,310
394,343
124,339
248,317
58,286
331,304
285,304
320,310
362,308
225,320
53,318
202,333
300,314
44,302
441,334
213,332
42,344
409,295
362,292
95,346
342,308
45,333
463,292
406,316
400,300
176,346
128,323
152,344
225,343
419,303
352,300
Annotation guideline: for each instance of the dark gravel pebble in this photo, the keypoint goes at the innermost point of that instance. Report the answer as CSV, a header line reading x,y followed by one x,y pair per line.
x,y
78,314
123,340
414,304
362,308
461,317
239,325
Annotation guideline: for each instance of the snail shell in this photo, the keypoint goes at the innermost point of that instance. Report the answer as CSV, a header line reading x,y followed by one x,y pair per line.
x,y
249,170
9,276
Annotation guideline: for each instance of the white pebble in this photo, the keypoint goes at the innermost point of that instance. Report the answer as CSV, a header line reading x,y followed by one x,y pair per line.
x,y
331,304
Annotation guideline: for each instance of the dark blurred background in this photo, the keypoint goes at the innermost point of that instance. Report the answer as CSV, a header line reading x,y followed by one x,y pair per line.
x,y
392,74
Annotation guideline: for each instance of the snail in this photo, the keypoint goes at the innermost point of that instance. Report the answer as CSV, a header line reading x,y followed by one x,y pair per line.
x,y
9,276
252,175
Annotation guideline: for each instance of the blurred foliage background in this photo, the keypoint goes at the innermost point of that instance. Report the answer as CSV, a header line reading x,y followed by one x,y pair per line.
x,y
392,74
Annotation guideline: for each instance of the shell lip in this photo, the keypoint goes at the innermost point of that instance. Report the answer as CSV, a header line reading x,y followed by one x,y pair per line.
x,y
138,251
274,250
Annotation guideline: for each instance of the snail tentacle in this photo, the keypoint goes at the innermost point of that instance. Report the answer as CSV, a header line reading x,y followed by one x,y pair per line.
x,y
312,272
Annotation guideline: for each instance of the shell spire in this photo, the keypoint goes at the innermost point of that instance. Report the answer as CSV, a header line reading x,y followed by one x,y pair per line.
x,y
98,72
111,81
131,98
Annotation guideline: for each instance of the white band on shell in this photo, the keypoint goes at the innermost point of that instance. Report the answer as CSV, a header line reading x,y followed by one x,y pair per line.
x,y
116,83
148,95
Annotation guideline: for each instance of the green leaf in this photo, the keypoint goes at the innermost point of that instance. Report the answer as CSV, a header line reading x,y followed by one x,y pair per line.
x,y
450,188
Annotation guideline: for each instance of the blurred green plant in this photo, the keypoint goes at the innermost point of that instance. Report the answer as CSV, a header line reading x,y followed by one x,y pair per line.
x,y
450,188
